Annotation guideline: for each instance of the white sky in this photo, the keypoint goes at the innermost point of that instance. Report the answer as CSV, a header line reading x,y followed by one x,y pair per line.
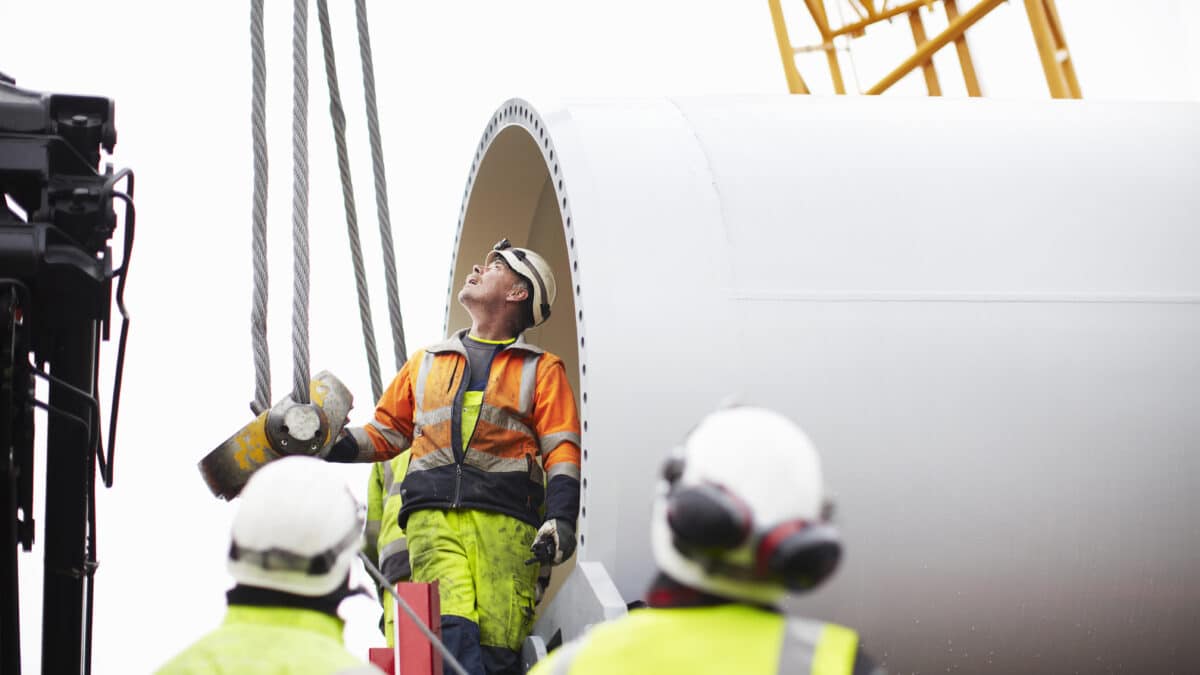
x,y
180,76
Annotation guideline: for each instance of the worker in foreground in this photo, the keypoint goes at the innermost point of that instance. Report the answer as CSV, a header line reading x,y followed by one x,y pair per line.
x,y
740,523
493,480
294,537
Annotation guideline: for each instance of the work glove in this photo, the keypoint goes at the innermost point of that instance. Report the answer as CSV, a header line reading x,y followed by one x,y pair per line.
x,y
554,543
543,582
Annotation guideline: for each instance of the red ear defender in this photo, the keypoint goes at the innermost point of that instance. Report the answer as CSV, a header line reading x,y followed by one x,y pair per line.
x,y
707,520
707,517
800,554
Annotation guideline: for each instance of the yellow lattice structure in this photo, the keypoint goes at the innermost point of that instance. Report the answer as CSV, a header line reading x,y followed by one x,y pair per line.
x,y
1043,20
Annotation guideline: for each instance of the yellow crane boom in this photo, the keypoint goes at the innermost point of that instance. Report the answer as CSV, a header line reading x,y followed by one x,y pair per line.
x,y
1043,20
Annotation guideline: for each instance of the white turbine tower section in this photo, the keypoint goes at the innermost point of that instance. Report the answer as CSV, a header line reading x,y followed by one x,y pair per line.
x,y
986,314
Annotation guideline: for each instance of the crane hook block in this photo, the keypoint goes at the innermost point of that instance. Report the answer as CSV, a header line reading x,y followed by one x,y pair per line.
x,y
288,428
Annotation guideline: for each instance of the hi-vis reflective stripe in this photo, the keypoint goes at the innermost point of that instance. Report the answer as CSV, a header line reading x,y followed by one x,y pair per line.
x,y
394,548
551,441
800,637
397,440
564,469
816,647
422,375
836,651
391,486
528,383
488,462
394,488
439,457
366,449
436,416
372,532
389,477
503,419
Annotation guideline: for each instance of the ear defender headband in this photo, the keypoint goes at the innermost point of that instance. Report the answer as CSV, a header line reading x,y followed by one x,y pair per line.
x,y
708,521
508,251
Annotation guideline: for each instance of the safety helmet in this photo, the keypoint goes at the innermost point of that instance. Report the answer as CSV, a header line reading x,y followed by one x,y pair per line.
x,y
741,511
533,268
297,529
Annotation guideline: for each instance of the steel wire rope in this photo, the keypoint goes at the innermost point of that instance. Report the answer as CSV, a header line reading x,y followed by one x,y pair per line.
x,y
300,266
446,654
339,123
258,126
300,223
381,201
338,117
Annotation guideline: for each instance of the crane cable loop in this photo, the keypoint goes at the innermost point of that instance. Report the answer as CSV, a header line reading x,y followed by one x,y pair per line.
x,y
300,222
262,397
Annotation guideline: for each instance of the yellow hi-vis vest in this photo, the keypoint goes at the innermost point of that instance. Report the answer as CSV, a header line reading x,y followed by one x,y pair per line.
x,y
386,545
270,640
696,640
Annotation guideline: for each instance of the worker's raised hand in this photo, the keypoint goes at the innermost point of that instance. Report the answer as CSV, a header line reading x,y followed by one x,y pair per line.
x,y
554,543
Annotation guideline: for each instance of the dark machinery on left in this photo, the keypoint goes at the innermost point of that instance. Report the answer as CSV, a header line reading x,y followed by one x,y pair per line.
x,y
58,215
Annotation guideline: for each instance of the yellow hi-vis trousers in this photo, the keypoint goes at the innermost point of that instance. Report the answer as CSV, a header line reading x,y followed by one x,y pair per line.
x,y
478,559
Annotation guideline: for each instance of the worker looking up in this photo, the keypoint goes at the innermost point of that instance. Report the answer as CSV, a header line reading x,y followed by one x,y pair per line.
x,y
739,523
295,535
494,473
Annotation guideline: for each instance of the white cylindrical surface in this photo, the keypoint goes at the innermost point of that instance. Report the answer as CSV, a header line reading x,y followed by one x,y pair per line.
x,y
986,314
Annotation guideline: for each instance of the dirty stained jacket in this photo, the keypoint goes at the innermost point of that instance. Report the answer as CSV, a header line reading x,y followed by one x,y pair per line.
x,y
386,545
523,457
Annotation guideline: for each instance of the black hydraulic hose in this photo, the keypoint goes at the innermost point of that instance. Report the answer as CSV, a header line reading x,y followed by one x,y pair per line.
x,y
93,427
123,271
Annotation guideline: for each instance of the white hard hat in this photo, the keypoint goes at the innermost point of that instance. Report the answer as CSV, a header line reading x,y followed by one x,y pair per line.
x,y
297,529
534,269
741,511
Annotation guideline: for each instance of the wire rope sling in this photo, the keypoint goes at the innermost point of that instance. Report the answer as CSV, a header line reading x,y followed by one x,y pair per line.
x,y
311,417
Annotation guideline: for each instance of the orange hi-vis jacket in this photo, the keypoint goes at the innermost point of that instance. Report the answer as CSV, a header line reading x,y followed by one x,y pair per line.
x,y
525,447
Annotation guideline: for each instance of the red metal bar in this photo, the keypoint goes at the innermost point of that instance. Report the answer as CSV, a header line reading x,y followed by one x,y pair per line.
x,y
415,654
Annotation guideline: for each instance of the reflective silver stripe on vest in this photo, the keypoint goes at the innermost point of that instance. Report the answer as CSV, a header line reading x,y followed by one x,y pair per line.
x,y
437,416
564,469
488,462
439,457
800,639
503,419
394,548
528,383
397,440
422,375
391,486
366,448
389,477
551,441
372,531
394,488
